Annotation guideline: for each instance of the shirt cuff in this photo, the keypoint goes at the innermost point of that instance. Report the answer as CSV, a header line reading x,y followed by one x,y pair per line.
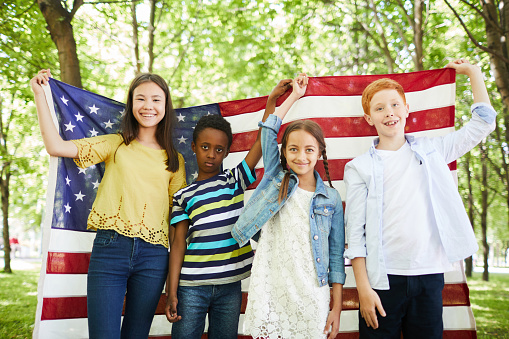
x,y
273,122
485,111
352,253
337,278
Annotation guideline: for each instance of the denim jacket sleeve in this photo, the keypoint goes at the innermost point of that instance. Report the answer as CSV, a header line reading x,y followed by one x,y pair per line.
x,y
270,150
337,244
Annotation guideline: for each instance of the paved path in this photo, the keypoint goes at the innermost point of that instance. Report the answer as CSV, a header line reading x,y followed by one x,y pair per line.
x,y
22,264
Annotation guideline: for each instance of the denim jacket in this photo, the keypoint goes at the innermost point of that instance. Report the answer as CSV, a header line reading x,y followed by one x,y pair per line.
x,y
325,217
364,186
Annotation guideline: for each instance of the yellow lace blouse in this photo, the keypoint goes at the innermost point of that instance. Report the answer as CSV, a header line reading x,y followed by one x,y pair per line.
x,y
135,195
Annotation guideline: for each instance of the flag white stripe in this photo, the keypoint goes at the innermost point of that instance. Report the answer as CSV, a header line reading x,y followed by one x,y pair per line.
x,y
345,106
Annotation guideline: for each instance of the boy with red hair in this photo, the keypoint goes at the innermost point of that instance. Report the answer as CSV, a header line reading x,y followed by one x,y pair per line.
x,y
405,221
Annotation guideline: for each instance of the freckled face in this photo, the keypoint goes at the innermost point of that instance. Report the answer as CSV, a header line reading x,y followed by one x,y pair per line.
x,y
302,152
211,148
148,105
388,113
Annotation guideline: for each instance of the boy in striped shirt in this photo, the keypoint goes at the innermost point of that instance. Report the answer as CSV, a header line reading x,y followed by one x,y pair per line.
x,y
206,263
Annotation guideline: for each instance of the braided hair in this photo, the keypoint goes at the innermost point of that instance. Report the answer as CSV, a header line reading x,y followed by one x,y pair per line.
x,y
316,131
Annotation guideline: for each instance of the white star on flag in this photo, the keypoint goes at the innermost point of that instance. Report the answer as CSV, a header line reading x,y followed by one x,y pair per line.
x,y
93,109
82,170
67,208
69,127
182,140
108,124
195,175
67,181
64,100
93,132
181,117
96,184
79,196
79,117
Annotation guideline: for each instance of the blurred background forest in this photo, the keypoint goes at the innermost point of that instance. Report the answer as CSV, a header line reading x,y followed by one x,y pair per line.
x,y
219,50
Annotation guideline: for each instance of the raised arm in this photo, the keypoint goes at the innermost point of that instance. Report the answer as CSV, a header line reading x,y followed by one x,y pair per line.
x,y
462,66
53,142
299,85
255,153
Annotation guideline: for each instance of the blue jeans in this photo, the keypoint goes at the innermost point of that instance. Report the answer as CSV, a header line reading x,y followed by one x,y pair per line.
x,y
413,306
121,267
223,304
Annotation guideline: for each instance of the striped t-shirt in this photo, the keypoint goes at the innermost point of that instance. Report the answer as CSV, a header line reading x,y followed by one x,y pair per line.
x,y
212,207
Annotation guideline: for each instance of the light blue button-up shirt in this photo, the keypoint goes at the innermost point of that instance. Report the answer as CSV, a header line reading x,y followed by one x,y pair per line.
x,y
364,195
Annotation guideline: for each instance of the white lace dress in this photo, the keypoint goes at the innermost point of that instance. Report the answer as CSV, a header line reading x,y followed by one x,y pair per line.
x,y
284,299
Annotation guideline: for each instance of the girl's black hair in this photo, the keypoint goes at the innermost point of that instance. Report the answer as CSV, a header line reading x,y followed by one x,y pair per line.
x,y
129,127
216,122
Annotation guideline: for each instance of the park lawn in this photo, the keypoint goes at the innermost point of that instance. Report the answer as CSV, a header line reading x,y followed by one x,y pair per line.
x,y
18,300
490,304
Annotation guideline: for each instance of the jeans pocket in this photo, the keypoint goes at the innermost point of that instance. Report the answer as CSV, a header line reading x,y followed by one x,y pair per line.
x,y
104,238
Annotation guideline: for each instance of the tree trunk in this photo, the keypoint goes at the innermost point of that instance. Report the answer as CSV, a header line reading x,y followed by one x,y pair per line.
x,y
470,208
135,39
151,30
484,210
4,189
418,34
61,31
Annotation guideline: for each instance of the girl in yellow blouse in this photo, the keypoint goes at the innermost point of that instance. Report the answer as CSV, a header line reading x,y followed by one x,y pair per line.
x,y
130,213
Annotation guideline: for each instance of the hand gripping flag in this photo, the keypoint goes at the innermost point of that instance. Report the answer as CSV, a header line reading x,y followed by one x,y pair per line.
x,y
333,102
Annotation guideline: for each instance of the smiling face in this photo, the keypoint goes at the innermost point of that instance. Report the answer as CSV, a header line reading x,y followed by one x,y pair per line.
x,y
148,105
211,147
388,113
302,152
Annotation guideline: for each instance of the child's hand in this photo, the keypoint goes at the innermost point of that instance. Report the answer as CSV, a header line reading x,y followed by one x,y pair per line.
x,y
300,83
171,310
462,66
280,89
332,320
41,78
369,303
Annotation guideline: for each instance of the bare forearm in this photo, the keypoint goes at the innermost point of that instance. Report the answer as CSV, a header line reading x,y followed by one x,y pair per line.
x,y
53,142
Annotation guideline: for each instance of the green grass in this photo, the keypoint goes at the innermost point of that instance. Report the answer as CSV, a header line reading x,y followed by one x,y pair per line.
x,y
18,300
490,304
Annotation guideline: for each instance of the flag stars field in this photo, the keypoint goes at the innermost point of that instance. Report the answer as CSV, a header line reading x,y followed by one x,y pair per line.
x,y
93,109
108,124
64,100
69,126
79,117
67,208
79,196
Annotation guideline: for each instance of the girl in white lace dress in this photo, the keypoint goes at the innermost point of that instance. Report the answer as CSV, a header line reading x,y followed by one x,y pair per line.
x,y
300,249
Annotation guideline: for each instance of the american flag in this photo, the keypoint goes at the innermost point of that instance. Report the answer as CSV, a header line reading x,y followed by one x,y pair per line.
x,y
334,102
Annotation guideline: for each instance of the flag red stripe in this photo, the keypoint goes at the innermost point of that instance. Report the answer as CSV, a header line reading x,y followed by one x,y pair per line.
x,y
76,307
67,263
348,86
357,127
